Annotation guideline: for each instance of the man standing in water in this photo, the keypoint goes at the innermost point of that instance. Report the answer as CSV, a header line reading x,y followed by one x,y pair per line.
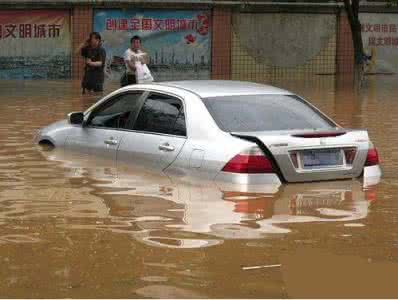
x,y
131,56
94,56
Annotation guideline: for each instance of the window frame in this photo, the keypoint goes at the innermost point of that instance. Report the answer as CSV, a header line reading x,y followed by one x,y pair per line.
x,y
131,120
163,94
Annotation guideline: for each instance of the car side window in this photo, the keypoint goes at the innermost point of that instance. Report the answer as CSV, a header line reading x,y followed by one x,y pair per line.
x,y
118,112
162,114
179,125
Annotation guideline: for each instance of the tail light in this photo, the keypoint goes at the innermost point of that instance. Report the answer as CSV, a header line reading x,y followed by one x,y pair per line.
x,y
372,158
251,161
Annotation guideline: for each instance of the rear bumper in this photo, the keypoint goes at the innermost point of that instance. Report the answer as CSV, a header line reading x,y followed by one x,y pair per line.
x,y
371,175
250,183
248,179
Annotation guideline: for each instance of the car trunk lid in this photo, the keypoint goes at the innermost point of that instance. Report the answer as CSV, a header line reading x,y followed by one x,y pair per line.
x,y
313,155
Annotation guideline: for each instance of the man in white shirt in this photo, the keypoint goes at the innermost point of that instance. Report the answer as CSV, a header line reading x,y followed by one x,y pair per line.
x,y
131,56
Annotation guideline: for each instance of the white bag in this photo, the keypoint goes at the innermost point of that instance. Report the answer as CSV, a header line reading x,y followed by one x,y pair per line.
x,y
142,73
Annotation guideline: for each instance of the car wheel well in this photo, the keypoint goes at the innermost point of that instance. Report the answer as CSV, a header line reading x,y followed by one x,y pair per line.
x,y
47,144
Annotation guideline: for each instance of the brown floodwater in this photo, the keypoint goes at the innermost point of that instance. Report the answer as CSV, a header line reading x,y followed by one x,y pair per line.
x,y
76,227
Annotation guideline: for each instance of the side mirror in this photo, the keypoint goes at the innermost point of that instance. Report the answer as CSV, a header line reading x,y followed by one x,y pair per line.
x,y
76,118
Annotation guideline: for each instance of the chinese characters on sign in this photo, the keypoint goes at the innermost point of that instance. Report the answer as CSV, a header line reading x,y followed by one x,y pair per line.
x,y
381,34
380,41
151,24
29,30
178,41
35,44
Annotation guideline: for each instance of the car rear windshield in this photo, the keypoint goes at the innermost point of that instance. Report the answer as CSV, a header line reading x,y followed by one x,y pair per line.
x,y
264,112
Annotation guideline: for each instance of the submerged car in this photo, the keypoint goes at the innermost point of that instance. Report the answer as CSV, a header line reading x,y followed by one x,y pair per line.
x,y
240,132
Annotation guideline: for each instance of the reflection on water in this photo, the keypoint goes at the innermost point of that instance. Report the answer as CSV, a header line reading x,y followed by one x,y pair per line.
x,y
144,204
92,230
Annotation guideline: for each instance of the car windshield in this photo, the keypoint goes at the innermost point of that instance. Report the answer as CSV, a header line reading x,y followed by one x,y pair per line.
x,y
264,113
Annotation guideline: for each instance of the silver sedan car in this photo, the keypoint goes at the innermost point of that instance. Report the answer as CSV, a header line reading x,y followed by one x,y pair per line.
x,y
239,132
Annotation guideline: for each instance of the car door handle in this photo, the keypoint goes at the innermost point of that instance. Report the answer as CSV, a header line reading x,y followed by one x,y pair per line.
x,y
166,147
110,141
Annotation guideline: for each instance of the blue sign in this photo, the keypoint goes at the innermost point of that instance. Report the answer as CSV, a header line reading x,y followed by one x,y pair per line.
x,y
177,41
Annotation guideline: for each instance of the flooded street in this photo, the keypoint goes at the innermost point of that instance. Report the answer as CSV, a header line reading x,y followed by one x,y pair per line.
x,y
77,227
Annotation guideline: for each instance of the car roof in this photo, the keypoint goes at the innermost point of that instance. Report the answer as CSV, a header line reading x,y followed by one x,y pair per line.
x,y
216,88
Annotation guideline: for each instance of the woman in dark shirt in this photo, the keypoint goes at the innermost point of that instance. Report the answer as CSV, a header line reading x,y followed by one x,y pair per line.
x,y
94,55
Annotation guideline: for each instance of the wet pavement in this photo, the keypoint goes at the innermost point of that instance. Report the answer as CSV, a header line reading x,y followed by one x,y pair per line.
x,y
74,226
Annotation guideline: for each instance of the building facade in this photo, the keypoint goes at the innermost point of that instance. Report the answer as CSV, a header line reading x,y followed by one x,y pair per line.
x,y
192,39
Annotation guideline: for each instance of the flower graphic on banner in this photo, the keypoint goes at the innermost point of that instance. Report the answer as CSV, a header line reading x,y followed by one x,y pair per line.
x,y
204,21
190,39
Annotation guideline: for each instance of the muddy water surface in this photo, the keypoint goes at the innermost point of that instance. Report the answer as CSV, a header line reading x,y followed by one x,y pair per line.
x,y
71,226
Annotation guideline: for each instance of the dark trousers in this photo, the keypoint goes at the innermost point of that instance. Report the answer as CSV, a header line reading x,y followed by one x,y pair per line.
x,y
128,79
93,79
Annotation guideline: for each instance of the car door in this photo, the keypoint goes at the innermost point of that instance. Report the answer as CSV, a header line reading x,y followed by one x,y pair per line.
x,y
158,133
105,127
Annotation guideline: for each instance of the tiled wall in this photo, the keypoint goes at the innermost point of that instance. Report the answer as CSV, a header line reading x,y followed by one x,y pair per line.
x,y
246,67
229,60
221,44
81,27
345,49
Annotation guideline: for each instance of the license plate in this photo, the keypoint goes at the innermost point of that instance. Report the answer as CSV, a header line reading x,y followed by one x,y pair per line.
x,y
321,158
